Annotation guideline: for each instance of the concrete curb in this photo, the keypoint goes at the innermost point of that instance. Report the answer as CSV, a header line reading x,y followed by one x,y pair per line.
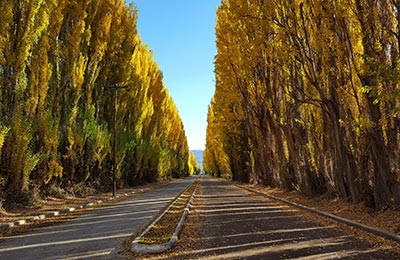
x,y
7,226
369,229
143,249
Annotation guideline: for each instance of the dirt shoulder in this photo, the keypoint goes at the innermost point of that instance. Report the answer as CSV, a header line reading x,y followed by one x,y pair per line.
x,y
387,220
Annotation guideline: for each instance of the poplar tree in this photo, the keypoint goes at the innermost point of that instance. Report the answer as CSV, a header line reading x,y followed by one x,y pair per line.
x,y
307,94
56,117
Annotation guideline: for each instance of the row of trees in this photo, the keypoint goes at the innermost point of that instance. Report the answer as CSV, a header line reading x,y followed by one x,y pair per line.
x,y
307,97
56,116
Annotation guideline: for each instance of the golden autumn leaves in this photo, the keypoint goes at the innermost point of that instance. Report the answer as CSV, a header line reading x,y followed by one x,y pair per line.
x,y
56,56
306,97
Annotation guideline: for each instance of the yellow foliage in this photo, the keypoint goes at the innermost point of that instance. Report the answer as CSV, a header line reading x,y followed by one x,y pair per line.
x,y
56,61
297,83
54,170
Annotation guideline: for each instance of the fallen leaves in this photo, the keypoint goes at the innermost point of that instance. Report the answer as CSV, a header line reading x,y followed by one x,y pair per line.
x,y
164,229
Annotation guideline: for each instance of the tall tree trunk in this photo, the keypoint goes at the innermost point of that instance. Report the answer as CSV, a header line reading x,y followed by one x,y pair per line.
x,y
382,178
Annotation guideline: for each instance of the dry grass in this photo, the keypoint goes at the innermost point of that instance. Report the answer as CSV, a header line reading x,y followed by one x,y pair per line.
x,y
163,230
188,238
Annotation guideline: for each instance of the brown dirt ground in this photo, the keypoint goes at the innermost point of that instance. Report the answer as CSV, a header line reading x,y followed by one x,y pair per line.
x,y
387,220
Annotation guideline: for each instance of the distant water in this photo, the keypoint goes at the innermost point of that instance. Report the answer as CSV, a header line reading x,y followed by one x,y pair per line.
x,y
199,156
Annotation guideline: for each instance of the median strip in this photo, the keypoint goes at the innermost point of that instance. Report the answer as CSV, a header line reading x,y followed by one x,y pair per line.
x,y
163,233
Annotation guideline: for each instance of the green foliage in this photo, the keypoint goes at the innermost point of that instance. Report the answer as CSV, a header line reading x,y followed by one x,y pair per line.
x,y
96,141
195,165
56,57
3,133
47,139
18,160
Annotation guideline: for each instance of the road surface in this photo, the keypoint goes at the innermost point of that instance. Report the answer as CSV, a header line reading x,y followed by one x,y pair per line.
x,y
99,234
236,224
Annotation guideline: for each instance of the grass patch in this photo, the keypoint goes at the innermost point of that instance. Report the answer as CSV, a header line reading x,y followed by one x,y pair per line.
x,y
162,231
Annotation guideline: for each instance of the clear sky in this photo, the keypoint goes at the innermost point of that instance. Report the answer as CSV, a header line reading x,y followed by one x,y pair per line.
x,y
181,33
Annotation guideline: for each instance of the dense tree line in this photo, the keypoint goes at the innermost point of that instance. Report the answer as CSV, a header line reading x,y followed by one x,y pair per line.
x,y
307,97
56,116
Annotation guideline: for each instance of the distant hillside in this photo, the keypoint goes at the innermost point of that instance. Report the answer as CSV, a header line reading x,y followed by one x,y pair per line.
x,y
199,156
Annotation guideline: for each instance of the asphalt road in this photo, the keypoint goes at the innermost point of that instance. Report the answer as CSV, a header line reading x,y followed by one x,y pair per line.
x,y
236,224
99,234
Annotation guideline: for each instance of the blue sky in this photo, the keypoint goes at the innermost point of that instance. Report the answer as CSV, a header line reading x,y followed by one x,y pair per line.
x,y
181,33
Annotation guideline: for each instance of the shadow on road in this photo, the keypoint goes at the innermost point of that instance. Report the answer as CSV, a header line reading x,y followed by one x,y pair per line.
x,y
237,225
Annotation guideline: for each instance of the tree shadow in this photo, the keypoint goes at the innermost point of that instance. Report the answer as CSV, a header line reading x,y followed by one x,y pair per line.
x,y
235,225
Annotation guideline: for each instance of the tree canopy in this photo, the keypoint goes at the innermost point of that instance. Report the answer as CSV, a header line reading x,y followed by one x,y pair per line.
x,y
56,116
307,97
